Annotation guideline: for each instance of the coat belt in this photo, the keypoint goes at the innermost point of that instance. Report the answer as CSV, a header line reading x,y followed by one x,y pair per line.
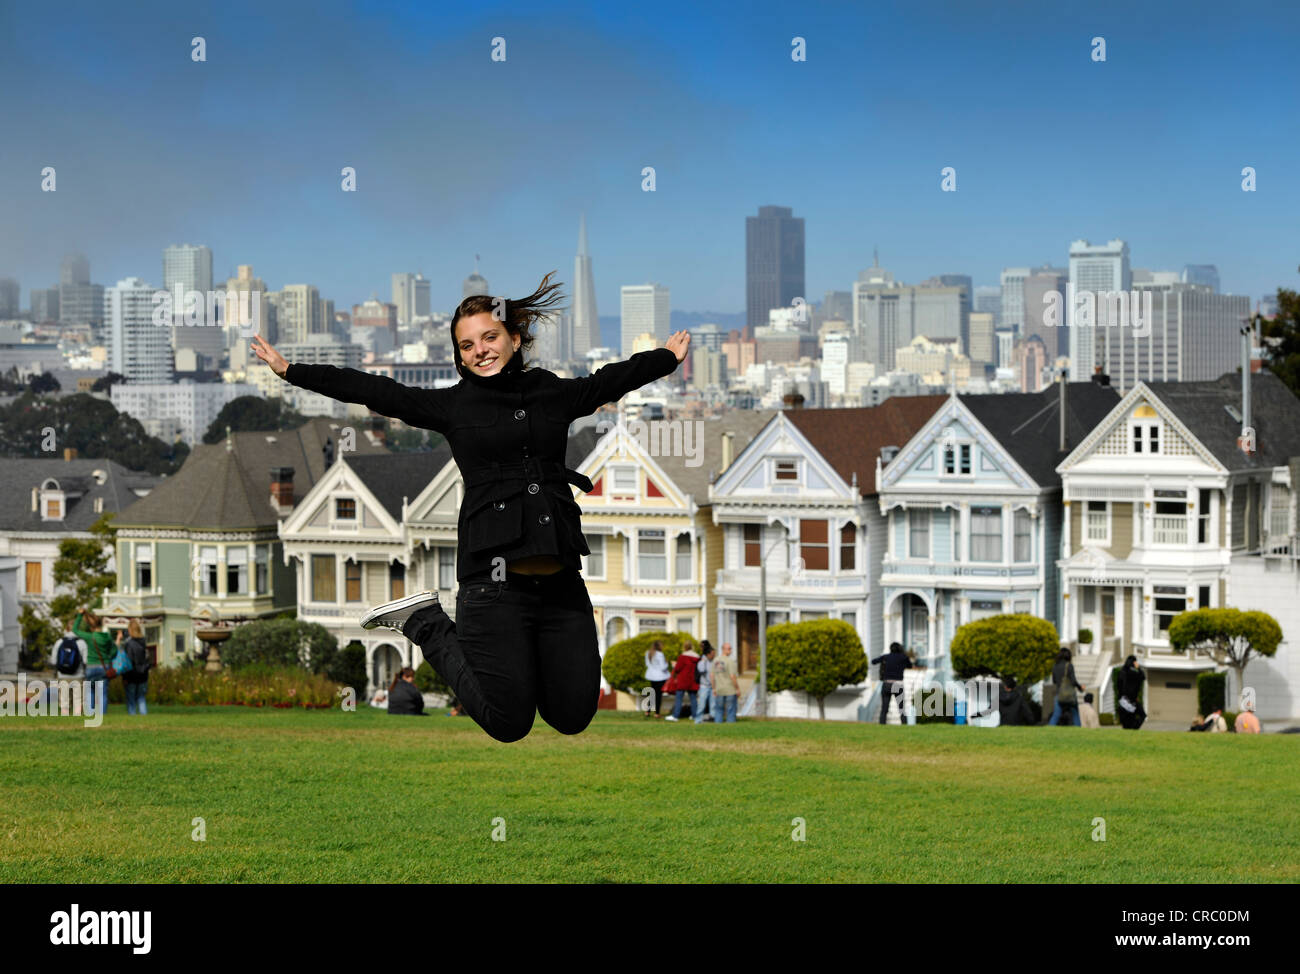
x,y
527,471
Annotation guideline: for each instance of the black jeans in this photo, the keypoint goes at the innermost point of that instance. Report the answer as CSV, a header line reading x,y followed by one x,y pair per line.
x,y
519,647
891,690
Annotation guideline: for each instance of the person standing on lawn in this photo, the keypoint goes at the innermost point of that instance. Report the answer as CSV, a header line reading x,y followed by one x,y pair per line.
x,y
1068,689
656,674
707,653
135,681
1128,691
726,687
524,640
685,680
100,651
892,665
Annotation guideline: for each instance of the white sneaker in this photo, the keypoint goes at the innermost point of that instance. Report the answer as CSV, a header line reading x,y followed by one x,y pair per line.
x,y
393,615
670,717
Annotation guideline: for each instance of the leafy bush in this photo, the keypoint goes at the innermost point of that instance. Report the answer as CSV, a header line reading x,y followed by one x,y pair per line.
x,y
624,663
1085,636
258,685
429,680
1230,717
281,642
348,667
1107,720
1020,645
1211,692
816,657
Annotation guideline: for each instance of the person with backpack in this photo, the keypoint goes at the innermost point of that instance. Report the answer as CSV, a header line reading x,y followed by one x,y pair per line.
x,y
68,657
136,679
1013,708
99,659
1068,689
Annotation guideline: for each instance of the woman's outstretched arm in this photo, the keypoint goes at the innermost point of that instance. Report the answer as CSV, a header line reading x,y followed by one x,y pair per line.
x,y
612,382
422,408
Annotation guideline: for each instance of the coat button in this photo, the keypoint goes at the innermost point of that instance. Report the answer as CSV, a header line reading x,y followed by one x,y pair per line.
x,y
533,488
500,505
519,414
544,519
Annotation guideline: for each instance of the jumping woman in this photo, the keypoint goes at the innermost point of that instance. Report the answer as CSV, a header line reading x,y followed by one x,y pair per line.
x,y
524,640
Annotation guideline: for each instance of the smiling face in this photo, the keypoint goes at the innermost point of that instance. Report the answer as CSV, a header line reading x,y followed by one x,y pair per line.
x,y
484,343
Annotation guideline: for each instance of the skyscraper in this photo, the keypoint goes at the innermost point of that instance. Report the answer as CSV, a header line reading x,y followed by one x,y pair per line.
x,y
476,283
298,311
1038,290
80,302
645,310
138,349
10,298
1206,274
411,296
1101,269
1013,298
75,269
586,326
189,268
989,298
774,263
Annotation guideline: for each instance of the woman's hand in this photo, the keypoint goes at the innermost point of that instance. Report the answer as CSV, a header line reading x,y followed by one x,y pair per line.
x,y
279,365
679,342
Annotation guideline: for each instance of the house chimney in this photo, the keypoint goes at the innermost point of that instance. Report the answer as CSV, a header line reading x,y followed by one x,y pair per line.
x,y
727,437
792,400
379,428
327,448
69,453
282,488
1247,439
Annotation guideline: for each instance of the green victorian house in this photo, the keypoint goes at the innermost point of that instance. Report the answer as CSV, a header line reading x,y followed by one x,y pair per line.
x,y
202,550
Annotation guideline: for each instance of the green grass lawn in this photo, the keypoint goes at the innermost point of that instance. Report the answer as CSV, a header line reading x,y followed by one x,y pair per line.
x,y
327,796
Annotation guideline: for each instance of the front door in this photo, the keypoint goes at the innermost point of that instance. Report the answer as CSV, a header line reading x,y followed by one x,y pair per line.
x,y
747,640
917,623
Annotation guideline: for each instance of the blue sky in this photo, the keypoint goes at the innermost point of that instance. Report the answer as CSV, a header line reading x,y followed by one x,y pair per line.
x,y
457,154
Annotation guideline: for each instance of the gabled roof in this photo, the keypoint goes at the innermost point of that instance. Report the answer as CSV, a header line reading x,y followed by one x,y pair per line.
x,y
19,475
1202,408
851,439
580,445
392,476
229,488
692,474
1027,424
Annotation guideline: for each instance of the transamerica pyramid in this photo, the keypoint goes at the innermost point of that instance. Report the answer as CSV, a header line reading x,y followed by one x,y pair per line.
x,y
586,326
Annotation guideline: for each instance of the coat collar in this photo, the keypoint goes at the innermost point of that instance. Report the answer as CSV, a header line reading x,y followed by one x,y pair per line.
x,y
508,379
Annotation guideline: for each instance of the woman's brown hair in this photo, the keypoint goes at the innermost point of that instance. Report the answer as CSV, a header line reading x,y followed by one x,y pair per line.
x,y
404,671
521,317
133,629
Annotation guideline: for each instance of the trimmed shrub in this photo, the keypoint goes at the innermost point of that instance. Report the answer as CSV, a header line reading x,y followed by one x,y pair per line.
x,y
1018,645
280,642
349,668
255,686
1230,716
1211,692
1085,636
816,657
1107,719
624,664
428,680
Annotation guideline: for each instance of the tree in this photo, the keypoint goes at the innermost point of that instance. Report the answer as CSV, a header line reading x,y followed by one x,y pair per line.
x,y
281,641
39,637
82,569
1229,636
1018,645
1281,339
43,383
106,382
253,414
624,664
816,657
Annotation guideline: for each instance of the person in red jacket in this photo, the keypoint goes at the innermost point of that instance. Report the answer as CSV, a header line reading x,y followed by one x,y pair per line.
x,y
684,680
524,641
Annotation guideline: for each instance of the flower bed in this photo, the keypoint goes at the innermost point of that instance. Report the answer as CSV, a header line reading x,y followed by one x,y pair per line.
x,y
254,687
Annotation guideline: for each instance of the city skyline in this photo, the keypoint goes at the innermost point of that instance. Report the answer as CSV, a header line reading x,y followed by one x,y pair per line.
x,y
707,107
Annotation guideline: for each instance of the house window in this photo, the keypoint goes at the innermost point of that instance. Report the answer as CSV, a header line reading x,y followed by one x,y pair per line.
x,y
596,560
651,624
623,479
322,578
1170,525
814,545
686,626
208,571
143,567
753,540
918,534
683,557
983,608
787,470
651,556
1168,605
351,581
178,644
261,567
956,458
1025,607
33,577
1098,521
1146,438
446,567
1024,537
1203,516
851,618
848,547
1203,597
986,534
52,508
397,580
236,571
345,509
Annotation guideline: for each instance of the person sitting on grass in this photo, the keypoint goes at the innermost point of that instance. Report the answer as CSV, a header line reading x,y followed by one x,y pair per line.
x,y
1247,722
1088,716
403,696
1214,723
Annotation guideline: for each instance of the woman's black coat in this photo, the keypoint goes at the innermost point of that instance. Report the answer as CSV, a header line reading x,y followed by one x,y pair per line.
x,y
508,433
